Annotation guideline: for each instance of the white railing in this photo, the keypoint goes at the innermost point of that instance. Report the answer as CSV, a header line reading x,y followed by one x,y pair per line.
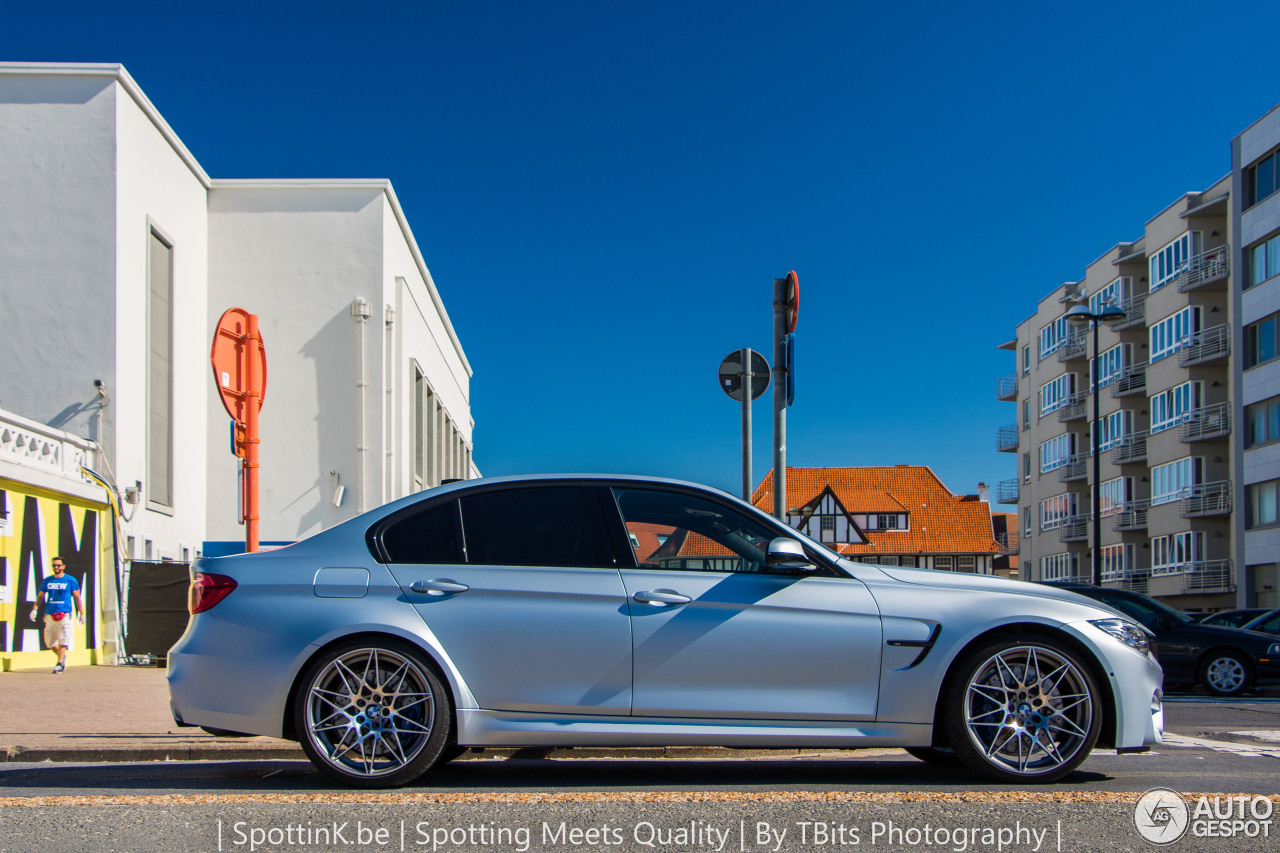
x,y
42,448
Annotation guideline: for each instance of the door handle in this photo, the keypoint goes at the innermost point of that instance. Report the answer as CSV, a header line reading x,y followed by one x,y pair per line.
x,y
439,586
659,597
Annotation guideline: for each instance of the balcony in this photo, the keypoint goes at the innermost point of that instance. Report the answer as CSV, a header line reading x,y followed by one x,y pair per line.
x,y
1007,491
1008,542
1076,529
1208,576
33,445
1075,468
1073,347
1132,380
1131,581
1007,439
1131,449
1207,423
1007,388
1207,270
1073,408
1207,499
1135,312
1132,517
1204,347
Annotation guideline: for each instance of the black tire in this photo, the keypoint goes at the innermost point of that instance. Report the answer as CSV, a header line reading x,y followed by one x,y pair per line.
x,y
1022,709
1226,672
451,752
938,757
372,713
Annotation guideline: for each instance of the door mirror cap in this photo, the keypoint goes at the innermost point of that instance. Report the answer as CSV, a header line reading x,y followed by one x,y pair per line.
x,y
788,555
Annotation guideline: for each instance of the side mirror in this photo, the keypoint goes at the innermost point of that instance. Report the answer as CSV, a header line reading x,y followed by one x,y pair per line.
x,y
788,555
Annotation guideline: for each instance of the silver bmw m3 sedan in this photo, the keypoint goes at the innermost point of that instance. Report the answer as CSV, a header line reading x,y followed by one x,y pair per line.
x,y
628,611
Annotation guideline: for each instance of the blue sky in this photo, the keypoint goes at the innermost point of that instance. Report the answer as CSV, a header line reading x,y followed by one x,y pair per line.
x,y
604,191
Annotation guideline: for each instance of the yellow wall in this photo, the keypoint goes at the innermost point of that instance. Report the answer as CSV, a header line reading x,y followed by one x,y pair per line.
x,y
41,525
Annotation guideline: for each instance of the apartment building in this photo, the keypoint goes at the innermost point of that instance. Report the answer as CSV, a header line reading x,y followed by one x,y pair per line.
x,y
1255,218
1187,393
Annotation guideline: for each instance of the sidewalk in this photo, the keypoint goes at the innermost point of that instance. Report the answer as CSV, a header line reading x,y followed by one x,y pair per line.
x,y
109,714
121,713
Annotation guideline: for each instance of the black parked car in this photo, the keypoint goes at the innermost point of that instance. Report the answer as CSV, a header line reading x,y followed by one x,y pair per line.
x,y
1233,618
1227,661
1267,623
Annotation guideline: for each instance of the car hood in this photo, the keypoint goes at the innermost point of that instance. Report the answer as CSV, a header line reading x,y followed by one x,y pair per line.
x,y
954,580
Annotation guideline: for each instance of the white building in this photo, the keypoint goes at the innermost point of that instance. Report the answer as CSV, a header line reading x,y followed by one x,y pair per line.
x,y
118,254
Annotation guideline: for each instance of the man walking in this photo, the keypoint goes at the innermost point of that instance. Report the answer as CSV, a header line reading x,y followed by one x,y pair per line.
x,y
58,592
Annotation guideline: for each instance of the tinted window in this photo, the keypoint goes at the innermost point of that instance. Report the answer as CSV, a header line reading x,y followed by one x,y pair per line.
x,y
543,526
671,530
429,535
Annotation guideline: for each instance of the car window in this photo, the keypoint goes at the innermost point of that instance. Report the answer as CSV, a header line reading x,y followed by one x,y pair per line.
x,y
539,526
674,530
1269,624
429,535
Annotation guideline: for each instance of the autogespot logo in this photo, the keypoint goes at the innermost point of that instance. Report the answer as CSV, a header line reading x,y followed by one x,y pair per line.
x,y
1161,816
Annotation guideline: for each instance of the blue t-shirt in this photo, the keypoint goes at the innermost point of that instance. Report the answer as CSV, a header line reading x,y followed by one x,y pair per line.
x,y
57,592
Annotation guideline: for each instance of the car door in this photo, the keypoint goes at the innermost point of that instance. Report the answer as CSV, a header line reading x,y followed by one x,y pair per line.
x,y
519,586
718,634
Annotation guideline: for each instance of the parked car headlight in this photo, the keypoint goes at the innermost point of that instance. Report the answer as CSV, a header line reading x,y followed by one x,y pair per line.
x,y
1273,649
1129,633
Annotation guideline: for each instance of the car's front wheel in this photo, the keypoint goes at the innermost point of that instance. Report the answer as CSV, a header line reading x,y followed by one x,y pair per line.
x,y
1225,673
1022,709
372,714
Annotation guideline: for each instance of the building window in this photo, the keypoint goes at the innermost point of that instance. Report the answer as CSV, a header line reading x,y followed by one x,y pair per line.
x,y
1174,481
1173,332
1115,428
1114,293
942,563
888,561
1026,413
1117,561
1166,264
1055,452
1054,336
1172,407
1262,262
1056,393
826,522
1057,511
1260,343
1260,180
159,482
1026,520
907,561
1175,554
1262,501
887,522
1026,466
1263,422
1026,359
966,563
1114,494
1058,567
1114,361
419,427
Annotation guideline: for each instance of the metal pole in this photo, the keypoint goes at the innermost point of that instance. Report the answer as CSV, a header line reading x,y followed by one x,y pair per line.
x,y
747,388
253,400
779,399
1097,466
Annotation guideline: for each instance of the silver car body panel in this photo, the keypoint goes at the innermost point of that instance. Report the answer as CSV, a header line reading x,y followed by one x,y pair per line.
x,y
743,665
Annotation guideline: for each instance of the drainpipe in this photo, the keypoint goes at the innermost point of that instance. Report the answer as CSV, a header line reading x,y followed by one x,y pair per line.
x,y
388,483
361,310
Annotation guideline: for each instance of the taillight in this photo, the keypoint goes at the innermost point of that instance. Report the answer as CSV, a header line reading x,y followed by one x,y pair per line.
x,y
208,589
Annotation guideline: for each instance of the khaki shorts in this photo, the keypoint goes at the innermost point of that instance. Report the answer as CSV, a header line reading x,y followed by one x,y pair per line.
x,y
59,632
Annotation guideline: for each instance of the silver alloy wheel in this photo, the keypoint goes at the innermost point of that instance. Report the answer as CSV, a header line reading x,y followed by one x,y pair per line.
x,y
1225,675
1028,710
370,712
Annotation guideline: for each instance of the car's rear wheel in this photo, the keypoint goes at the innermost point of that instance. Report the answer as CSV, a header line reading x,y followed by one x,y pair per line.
x,y
1225,673
1023,709
372,714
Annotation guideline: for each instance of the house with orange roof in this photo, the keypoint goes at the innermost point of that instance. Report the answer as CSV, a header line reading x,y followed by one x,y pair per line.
x,y
897,515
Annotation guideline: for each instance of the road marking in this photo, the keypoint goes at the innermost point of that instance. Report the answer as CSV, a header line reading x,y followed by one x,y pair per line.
x,y
1241,749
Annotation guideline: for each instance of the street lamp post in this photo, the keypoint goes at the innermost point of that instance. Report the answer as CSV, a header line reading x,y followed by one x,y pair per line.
x,y
1080,316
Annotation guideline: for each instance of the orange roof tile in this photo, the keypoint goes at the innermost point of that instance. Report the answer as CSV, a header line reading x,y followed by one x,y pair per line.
x,y
940,522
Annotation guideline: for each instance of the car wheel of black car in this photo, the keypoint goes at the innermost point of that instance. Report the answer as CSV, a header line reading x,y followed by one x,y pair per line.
x,y
1225,672
372,714
1022,709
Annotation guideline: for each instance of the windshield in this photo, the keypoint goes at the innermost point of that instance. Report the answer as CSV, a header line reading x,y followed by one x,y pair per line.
x,y
1148,611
